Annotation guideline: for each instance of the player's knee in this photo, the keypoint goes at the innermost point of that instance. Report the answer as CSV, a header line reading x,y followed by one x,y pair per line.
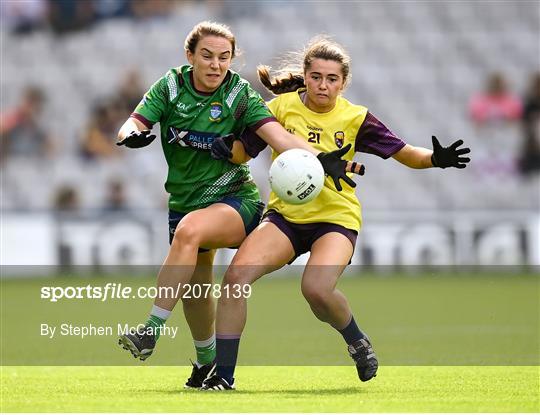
x,y
236,275
317,298
186,234
232,276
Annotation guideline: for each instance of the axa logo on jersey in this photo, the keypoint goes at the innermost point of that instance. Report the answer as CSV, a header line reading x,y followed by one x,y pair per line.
x,y
182,109
182,106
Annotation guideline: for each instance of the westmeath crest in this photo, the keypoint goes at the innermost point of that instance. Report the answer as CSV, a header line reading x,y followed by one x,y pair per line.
x,y
215,111
339,138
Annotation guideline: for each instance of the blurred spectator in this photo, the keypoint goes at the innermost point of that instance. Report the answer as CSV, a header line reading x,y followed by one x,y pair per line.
x,y
21,130
144,9
70,15
99,140
130,92
66,199
105,9
496,103
116,199
23,17
65,16
66,203
529,162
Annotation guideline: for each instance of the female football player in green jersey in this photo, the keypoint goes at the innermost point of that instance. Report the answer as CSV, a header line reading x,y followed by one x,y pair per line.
x,y
213,203
310,103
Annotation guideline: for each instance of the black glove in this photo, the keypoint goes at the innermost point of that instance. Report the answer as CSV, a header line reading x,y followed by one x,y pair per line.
x,y
222,146
334,166
137,139
444,157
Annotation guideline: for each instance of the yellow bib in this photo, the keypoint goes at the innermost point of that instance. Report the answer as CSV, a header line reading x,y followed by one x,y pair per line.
x,y
326,132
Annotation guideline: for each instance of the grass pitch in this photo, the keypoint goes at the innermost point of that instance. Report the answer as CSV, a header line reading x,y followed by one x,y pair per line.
x,y
424,320
464,343
272,389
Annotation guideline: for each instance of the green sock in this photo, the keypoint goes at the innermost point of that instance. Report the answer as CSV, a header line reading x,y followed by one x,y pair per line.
x,y
206,350
157,319
156,323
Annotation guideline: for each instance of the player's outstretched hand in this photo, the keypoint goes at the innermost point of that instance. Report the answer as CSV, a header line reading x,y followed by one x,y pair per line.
x,y
137,139
451,156
222,147
334,166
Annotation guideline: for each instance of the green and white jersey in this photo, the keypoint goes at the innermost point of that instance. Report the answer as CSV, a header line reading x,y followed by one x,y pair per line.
x,y
192,119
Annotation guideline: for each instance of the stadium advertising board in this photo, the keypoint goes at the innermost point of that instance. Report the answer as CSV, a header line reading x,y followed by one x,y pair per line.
x,y
394,239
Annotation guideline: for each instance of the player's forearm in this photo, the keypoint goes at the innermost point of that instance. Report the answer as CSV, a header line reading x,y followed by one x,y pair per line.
x,y
281,140
130,125
240,156
294,141
414,157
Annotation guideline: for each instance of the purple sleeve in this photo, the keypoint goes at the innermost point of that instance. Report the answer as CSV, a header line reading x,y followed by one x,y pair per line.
x,y
142,119
253,144
374,138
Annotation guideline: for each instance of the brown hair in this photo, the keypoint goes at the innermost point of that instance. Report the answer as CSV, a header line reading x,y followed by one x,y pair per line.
x,y
207,28
290,77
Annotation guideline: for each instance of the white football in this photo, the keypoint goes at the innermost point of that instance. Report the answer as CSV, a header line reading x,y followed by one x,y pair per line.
x,y
296,176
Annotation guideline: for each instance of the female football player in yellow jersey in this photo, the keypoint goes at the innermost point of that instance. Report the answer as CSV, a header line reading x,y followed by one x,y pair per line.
x,y
310,104
213,203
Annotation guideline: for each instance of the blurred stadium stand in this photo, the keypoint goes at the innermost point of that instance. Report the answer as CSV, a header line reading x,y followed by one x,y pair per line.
x,y
415,64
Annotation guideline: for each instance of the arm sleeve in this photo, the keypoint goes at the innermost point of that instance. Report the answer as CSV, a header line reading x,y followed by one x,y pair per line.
x,y
257,113
375,138
153,104
253,144
251,141
140,118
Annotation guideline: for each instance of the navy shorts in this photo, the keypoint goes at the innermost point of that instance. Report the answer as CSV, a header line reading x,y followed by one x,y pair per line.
x,y
250,211
303,236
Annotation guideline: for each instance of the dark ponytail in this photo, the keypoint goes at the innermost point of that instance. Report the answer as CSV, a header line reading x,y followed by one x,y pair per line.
x,y
281,84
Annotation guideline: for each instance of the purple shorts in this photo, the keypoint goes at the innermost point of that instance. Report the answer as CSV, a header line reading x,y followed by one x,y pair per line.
x,y
302,236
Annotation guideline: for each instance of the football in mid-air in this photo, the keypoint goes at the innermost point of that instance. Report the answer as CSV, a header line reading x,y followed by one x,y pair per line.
x,y
296,176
